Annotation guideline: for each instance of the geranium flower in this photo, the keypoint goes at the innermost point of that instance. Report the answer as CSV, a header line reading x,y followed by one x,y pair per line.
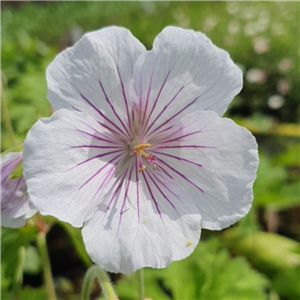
x,y
16,206
136,152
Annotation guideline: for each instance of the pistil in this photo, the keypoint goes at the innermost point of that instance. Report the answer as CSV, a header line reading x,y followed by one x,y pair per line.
x,y
150,158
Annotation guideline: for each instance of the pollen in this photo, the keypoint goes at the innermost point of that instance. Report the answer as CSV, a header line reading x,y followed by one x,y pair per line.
x,y
138,150
142,168
189,243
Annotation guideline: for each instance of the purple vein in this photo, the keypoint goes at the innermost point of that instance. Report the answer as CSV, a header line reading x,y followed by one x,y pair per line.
x,y
165,130
181,137
99,171
95,137
164,138
16,161
107,176
116,192
165,186
185,146
183,176
98,147
137,190
124,200
101,114
110,129
153,122
155,102
147,100
167,121
178,158
201,95
102,133
124,95
97,156
112,107
154,182
12,194
152,197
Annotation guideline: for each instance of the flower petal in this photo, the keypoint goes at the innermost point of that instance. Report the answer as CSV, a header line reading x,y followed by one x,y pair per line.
x,y
67,159
150,222
183,73
10,222
216,161
15,203
93,76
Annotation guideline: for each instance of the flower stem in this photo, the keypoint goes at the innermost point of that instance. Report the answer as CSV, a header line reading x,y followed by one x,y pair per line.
x,y
18,278
104,281
6,118
42,245
141,284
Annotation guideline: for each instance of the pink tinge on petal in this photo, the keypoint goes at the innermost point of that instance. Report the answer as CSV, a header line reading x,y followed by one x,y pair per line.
x,y
15,203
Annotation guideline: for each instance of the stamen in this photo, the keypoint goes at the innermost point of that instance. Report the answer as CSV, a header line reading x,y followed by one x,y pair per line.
x,y
141,146
142,168
150,158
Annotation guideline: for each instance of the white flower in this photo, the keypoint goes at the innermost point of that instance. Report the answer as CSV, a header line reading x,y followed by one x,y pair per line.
x,y
16,206
136,152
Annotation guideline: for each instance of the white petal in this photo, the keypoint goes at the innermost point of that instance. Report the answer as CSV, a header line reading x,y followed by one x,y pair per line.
x,y
183,73
31,210
151,222
216,161
67,158
7,221
93,76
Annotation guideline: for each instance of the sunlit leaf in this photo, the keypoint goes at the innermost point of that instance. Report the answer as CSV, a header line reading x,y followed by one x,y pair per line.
x,y
32,264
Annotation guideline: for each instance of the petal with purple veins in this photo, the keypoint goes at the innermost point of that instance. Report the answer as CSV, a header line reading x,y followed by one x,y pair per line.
x,y
93,76
16,205
216,161
183,73
151,222
69,160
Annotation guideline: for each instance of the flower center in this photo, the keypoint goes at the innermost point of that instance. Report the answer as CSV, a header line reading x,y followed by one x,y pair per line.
x,y
138,150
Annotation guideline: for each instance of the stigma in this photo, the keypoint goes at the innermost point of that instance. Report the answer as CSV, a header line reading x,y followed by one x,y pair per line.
x,y
138,150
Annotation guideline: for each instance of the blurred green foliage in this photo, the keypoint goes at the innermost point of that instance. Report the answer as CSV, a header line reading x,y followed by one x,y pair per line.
x,y
244,262
209,273
278,181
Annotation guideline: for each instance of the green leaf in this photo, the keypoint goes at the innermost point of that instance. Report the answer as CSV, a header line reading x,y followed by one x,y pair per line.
x,y
209,273
16,148
11,241
32,264
127,287
274,187
4,281
17,172
271,253
30,293
286,283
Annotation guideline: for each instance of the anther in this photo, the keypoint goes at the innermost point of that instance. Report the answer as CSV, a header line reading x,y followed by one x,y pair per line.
x,y
142,168
150,158
141,146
